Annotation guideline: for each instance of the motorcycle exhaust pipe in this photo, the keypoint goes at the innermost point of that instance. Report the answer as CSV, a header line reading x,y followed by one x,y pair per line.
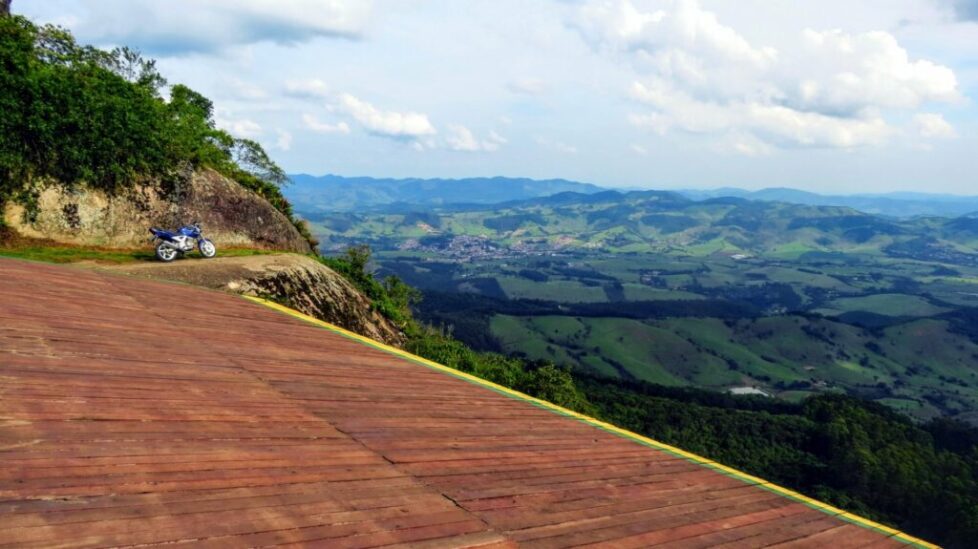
x,y
171,245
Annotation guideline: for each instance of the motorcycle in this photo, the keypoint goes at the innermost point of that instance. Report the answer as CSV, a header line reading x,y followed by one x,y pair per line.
x,y
169,245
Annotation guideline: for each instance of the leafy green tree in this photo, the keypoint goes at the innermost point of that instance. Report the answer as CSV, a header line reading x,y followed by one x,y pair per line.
x,y
136,69
555,385
252,158
16,53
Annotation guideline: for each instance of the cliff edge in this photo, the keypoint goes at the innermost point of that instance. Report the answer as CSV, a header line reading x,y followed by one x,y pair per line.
x,y
298,281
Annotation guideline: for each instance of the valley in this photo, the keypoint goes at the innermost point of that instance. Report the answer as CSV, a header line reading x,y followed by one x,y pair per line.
x,y
786,300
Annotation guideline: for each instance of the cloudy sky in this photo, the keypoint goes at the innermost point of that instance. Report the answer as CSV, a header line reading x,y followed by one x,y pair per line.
x,y
826,95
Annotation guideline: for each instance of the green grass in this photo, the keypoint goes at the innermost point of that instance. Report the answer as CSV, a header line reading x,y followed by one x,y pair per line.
x,y
792,250
638,292
888,304
789,356
922,361
565,291
74,254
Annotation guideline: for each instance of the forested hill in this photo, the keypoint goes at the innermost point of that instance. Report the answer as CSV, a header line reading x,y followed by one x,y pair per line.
x,y
319,195
645,221
335,193
890,204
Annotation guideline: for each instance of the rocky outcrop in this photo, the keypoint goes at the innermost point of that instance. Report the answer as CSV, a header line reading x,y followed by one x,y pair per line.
x,y
231,215
299,282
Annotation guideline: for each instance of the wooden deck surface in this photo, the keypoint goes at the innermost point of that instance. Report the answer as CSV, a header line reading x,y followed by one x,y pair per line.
x,y
141,413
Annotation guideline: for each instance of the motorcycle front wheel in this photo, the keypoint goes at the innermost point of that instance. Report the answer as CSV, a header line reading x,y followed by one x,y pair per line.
x,y
207,248
165,253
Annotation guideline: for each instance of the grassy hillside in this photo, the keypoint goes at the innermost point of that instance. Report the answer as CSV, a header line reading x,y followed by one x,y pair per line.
x,y
826,299
921,367
891,332
650,221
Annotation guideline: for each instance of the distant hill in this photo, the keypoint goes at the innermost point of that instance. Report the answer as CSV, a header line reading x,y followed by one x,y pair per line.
x,y
646,221
901,204
316,194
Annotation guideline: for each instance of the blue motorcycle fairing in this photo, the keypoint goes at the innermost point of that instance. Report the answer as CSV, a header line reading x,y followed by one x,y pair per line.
x,y
188,230
161,233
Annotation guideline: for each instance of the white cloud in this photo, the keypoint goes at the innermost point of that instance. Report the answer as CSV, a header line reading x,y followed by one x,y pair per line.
x,y
183,26
933,126
638,149
766,122
397,125
245,91
313,123
556,146
826,89
283,140
744,144
528,86
460,138
839,73
241,127
307,89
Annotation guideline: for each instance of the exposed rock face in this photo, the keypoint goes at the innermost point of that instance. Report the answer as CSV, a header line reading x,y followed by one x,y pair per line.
x,y
298,281
230,214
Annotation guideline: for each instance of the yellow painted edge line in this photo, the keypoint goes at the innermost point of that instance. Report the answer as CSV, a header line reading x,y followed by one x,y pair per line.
x,y
791,494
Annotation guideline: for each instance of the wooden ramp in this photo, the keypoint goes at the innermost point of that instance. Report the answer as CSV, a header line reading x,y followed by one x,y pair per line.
x,y
141,413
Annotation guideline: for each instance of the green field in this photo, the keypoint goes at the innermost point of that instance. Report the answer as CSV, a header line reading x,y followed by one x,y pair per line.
x,y
75,254
796,300
884,304
568,291
922,365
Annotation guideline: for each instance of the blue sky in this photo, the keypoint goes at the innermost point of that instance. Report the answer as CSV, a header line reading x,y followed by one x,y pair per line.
x,y
830,96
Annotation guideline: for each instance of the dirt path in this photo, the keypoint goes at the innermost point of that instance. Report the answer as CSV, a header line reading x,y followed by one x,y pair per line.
x,y
219,272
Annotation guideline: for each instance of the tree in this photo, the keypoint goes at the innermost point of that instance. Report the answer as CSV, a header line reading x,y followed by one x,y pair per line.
x,y
4,7
193,136
252,158
136,69
16,51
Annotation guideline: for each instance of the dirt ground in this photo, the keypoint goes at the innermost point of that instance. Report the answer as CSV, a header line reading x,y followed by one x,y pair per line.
x,y
217,272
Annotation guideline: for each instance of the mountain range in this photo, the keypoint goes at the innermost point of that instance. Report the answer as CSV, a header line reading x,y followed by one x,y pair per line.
x,y
662,221
332,193
315,195
899,204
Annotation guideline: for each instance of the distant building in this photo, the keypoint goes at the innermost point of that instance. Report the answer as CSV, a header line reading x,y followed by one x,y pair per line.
x,y
747,391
